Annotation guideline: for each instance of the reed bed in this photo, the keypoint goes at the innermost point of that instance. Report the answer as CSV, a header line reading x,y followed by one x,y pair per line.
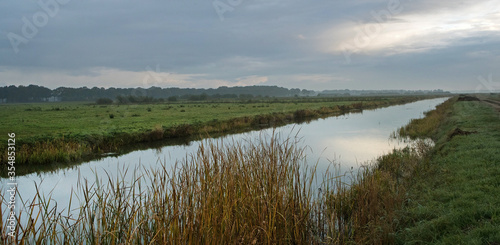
x,y
428,125
253,192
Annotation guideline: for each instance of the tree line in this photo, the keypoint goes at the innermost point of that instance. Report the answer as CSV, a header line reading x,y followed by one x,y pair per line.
x,y
35,93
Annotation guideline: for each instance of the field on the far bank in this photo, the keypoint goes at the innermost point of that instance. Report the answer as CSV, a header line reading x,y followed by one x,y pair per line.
x,y
74,119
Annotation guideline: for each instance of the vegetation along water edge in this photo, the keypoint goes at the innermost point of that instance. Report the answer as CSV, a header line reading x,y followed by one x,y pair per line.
x,y
50,133
252,192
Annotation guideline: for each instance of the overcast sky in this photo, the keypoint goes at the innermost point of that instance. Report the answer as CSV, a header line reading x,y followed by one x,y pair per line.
x,y
319,44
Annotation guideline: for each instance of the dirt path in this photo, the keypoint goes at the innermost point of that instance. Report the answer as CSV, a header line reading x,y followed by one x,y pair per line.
x,y
493,103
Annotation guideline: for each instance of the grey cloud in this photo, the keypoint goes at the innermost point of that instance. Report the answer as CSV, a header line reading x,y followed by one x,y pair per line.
x,y
258,38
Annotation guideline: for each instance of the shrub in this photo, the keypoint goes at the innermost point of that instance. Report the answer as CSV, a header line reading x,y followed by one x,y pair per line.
x,y
104,101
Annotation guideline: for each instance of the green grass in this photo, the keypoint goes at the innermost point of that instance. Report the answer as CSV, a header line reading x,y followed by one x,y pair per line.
x,y
428,126
261,194
67,132
48,120
456,200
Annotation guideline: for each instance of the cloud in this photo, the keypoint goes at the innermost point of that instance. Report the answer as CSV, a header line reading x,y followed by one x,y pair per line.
x,y
250,80
290,43
106,77
405,31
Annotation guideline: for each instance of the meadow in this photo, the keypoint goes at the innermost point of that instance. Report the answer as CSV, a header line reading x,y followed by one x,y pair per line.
x,y
77,119
70,131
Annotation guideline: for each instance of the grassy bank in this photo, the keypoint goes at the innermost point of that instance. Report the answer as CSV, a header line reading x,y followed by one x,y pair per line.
x,y
65,132
456,198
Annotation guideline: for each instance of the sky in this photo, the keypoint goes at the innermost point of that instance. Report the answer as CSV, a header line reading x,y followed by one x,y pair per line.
x,y
320,45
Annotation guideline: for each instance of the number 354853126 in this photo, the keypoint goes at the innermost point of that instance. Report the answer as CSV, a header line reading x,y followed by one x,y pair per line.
x,y
11,154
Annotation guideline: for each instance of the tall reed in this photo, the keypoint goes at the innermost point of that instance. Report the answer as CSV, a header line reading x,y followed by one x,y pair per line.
x,y
427,126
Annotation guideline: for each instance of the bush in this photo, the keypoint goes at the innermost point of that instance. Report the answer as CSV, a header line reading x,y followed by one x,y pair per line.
x,y
104,101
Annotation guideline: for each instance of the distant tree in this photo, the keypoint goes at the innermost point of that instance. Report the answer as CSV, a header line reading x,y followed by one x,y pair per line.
x,y
34,93
295,91
132,99
31,93
135,99
230,96
194,97
121,99
245,96
104,101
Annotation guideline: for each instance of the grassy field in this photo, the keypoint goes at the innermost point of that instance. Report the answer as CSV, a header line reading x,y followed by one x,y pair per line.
x,y
74,119
456,198
66,132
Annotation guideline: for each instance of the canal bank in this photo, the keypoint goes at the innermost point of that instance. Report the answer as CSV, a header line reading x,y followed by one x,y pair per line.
x,y
455,197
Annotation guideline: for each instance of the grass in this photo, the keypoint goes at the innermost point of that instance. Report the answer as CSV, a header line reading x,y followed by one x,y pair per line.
x,y
257,192
456,200
77,119
68,132
262,193
428,126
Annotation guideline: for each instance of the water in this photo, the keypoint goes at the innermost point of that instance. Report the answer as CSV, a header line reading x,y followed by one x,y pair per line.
x,y
349,140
